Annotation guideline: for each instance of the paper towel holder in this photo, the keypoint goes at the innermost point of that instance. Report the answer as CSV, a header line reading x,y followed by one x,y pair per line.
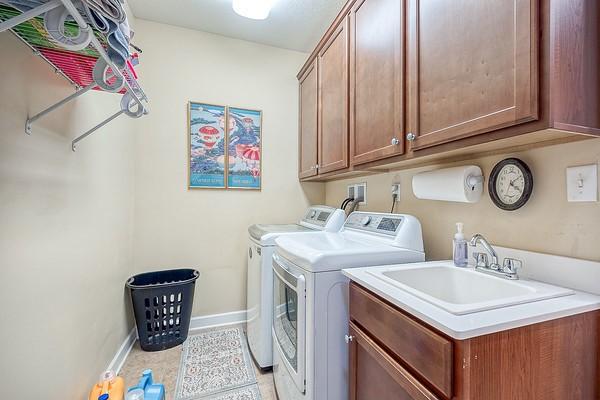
x,y
473,180
463,184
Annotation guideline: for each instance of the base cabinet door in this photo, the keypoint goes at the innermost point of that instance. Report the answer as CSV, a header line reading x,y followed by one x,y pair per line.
x,y
308,122
333,101
376,80
472,68
376,375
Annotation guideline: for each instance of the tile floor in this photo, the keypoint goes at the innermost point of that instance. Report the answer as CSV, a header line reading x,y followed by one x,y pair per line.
x,y
165,366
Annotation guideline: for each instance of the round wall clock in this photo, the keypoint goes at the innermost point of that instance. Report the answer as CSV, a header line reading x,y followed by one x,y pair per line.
x,y
510,184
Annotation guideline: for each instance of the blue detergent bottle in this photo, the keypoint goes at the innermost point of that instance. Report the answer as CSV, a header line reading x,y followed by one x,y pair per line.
x,y
151,390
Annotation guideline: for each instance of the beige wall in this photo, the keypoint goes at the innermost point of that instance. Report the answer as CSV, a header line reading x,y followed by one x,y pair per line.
x,y
547,223
66,227
204,228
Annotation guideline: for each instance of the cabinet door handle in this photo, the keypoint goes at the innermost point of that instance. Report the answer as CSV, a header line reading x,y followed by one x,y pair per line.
x,y
395,141
348,338
410,136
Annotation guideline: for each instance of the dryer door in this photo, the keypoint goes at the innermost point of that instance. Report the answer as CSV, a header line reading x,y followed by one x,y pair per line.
x,y
289,320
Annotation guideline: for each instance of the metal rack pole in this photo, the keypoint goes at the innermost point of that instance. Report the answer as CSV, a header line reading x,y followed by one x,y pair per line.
x,y
94,129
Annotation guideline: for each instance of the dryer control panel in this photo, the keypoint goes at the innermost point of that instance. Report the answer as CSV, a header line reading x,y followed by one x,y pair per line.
x,y
387,224
318,215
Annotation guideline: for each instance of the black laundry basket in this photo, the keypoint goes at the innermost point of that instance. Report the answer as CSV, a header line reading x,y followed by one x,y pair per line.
x,y
162,304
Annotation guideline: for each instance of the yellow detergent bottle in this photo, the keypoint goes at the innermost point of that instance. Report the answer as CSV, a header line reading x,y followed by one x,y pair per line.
x,y
110,387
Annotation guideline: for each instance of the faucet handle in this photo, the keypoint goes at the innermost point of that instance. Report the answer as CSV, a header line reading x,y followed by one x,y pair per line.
x,y
511,265
481,260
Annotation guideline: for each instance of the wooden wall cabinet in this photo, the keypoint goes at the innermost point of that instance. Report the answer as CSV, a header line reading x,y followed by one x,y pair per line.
x,y
473,67
393,355
308,123
332,62
434,81
324,91
376,80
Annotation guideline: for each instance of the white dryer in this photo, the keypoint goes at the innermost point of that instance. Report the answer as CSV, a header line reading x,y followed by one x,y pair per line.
x,y
261,244
310,297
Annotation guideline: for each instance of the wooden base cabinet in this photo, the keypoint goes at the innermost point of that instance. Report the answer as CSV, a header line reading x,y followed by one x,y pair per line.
x,y
393,355
376,375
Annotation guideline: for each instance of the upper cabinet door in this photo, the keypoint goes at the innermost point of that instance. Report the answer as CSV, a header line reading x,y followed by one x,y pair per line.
x,y
472,67
376,80
333,101
308,122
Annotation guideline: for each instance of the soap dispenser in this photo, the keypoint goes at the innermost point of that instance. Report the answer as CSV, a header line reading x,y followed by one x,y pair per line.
x,y
460,255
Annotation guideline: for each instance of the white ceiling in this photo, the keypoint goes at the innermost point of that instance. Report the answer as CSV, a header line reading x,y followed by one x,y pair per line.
x,y
292,24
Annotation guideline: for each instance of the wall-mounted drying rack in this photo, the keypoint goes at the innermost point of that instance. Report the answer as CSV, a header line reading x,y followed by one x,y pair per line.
x,y
78,67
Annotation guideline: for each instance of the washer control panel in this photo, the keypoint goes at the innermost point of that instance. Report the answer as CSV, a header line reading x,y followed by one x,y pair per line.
x,y
387,224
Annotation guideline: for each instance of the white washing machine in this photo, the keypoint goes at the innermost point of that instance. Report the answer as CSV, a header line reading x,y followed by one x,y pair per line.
x,y
261,245
310,297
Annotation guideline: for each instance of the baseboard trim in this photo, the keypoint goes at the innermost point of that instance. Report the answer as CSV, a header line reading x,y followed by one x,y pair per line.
x,y
216,320
119,359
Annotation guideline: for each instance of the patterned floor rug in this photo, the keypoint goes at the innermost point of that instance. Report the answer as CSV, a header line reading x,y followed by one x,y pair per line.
x,y
246,393
213,364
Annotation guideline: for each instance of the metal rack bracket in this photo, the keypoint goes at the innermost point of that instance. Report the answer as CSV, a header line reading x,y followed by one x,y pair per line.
x,y
53,107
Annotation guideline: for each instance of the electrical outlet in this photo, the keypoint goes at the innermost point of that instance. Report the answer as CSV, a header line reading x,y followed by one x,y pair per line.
x,y
358,191
361,193
396,191
582,183
351,191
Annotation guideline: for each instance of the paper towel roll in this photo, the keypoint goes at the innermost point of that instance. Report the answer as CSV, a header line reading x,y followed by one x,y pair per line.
x,y
460,184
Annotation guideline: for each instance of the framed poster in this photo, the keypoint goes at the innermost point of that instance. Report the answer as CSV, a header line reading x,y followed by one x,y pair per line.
x,y
206,134
244,148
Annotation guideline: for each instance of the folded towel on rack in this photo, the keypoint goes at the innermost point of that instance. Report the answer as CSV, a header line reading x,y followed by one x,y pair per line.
x,y
118,43
97,20
109,9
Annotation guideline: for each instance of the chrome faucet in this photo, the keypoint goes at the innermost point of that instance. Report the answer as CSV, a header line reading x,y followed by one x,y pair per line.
x,y
478,238
510,265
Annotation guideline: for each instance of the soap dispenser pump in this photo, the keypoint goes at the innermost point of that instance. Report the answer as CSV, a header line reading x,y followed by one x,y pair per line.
x,y
459,254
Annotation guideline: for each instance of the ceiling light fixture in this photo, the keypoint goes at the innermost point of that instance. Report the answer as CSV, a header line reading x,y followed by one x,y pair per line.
x,y
253,9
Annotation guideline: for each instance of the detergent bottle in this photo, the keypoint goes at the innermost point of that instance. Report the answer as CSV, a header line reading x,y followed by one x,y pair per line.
x,y
109,387
150,390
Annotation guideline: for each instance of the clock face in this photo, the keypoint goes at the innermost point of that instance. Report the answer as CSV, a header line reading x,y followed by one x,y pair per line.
x,y
510,184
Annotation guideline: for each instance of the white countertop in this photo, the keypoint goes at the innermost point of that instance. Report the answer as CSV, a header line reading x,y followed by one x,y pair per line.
x,y
479,323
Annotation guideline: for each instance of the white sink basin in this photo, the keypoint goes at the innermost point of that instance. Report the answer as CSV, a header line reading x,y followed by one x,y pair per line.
x,y
464,290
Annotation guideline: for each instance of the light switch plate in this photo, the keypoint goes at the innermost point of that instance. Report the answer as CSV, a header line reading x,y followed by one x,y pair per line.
x,y
582,183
